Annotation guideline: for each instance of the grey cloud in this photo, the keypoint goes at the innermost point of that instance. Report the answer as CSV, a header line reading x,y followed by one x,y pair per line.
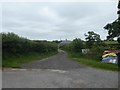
x,y
57,20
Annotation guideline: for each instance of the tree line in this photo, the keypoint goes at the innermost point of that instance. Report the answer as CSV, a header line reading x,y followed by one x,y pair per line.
x,y
12,45
93,43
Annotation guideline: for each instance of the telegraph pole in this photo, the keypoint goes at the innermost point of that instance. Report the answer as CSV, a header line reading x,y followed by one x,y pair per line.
x,y
118,10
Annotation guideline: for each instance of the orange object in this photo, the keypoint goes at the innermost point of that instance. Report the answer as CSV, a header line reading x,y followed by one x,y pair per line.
x,y
110,51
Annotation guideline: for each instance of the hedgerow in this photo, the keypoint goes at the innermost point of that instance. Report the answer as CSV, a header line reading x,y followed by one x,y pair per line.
x,y
13,45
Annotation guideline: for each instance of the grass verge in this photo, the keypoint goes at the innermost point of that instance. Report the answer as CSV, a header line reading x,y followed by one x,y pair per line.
x,y
16,61
93,62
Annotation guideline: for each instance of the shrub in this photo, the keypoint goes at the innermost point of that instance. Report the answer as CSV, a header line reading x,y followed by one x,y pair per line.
x,y
118,40
76,45
13,45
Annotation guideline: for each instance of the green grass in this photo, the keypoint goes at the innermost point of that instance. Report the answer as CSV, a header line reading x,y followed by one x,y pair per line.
x,y
93,62
111,42
16,61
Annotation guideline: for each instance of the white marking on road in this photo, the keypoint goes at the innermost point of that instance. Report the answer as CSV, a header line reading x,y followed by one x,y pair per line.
x,y
60,71
44,59
51,70
19,69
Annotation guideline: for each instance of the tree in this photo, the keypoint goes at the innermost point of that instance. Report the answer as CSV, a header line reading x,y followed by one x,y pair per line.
x,y
92,37
76,45
114,28
56,41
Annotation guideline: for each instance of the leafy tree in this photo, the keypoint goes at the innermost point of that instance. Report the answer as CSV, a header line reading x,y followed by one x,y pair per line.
x,y
114,28
92,37
76,45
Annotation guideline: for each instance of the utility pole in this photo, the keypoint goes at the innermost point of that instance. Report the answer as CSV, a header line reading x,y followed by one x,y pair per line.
x,y
118,10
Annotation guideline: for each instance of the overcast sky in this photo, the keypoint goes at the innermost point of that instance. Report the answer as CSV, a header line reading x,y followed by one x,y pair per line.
x,y
55,20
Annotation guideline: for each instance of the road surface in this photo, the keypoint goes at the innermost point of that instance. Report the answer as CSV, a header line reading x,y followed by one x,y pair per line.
x,y
58,72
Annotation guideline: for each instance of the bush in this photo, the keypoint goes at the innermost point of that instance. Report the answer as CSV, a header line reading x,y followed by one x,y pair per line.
x,y
76,45
118,40
97,50
13,45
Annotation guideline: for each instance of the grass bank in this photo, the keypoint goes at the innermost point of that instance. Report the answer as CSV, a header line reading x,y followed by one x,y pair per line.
x,y
96,63
16,61
111,42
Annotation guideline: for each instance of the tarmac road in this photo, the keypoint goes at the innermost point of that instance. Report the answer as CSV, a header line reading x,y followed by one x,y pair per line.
x,y
58,72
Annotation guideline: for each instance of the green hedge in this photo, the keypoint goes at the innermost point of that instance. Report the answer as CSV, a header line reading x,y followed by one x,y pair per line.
x,y
75,46
13,45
